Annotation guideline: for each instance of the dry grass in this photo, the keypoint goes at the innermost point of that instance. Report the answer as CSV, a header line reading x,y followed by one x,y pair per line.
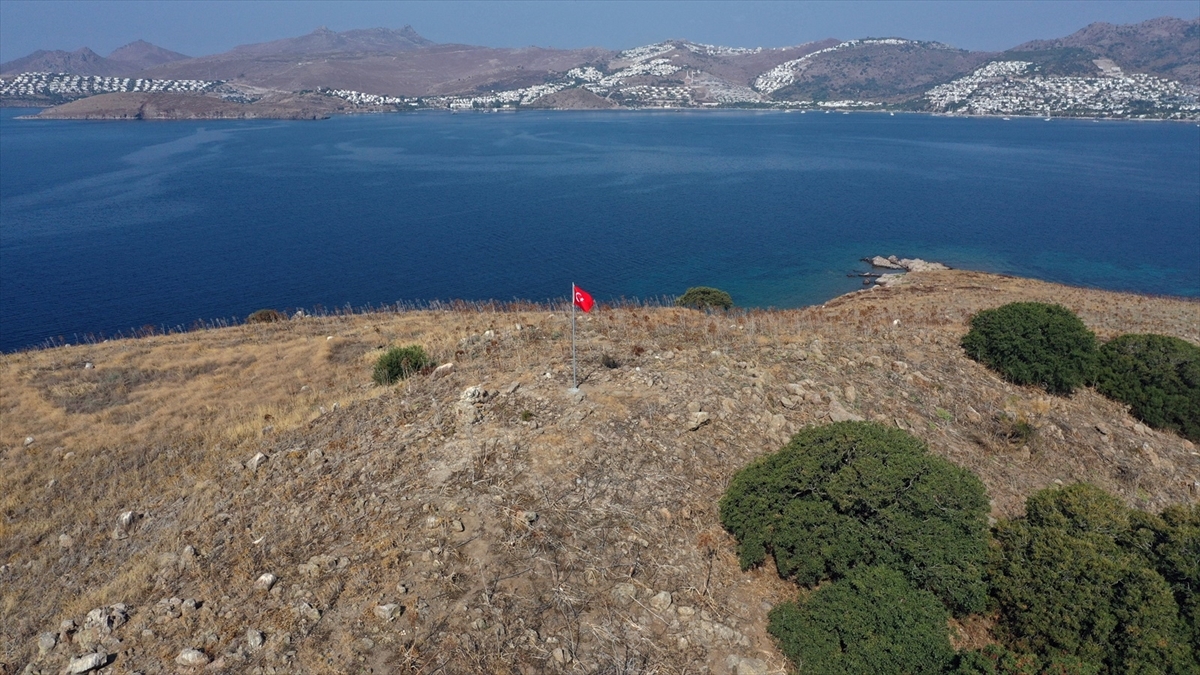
x,y
377,486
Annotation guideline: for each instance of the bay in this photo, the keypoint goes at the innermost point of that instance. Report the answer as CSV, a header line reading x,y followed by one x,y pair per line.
x,y
108,226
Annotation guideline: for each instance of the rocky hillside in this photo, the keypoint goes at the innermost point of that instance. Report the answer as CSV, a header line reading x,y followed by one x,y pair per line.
x,y
246,500
1166,47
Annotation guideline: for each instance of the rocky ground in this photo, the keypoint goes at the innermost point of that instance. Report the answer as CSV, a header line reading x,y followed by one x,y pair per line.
x,y
294,518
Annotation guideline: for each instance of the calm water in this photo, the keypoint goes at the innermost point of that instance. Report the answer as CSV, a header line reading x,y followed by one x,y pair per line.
x,y
106,226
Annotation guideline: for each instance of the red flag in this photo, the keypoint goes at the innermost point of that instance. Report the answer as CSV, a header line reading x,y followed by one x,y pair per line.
x,y
583,300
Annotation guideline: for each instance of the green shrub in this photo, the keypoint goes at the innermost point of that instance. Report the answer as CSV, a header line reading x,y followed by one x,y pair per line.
x,y
1158,377
1034,343
855,494
265,316
703,297
400,362
1071,588
1171,542
871,621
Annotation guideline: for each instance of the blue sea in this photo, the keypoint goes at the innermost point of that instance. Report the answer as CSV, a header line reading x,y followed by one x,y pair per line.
x,y
108,226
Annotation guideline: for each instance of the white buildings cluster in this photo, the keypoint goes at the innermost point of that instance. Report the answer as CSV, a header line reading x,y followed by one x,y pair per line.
x,y
1015,88
68,87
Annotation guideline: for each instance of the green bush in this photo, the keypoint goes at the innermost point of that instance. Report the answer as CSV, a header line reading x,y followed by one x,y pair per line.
x,y
1073,590
855,494
871,621
265,316
703,297
1171,542
400,362
1158,377
1034,343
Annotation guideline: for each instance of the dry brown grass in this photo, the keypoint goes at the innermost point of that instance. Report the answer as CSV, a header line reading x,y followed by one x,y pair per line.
x,y
623,491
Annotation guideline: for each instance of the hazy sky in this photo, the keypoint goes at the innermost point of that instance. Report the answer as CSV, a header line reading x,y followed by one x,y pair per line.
x,y
197,28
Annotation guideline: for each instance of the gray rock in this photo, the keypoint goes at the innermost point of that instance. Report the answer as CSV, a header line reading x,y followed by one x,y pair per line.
x,y
309,612
457,526
880,261
697,420
28,441
560,655
442,371
839,414
850,393
749,666
661,601
530,516
265,582
256,461
387,612
787,402
87,662
46,642
254,639
900,367
794,389
65,541
623,594
192,657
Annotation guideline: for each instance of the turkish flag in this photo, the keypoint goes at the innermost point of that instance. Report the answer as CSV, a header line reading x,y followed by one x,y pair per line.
x,y
583,300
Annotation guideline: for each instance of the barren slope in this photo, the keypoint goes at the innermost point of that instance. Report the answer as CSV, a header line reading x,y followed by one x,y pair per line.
x,y
514,527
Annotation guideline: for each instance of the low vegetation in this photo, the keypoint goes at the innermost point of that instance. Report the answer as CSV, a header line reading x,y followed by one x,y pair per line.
x,y
266,316
1034,343
703,297
398,363
1081,585
855,494
1158,376
871,621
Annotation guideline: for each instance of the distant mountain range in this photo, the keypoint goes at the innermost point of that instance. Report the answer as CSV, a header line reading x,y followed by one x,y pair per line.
x,y
389,67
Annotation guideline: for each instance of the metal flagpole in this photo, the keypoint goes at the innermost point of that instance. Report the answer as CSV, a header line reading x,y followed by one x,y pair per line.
x,y
574,363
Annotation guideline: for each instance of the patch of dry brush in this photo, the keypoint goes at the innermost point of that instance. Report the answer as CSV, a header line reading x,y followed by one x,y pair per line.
x,y
517,528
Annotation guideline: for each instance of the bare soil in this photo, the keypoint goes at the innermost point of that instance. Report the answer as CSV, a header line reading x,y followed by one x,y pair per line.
x,y
516,526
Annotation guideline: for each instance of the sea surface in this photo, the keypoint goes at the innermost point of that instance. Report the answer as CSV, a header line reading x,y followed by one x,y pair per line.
x,y
112,226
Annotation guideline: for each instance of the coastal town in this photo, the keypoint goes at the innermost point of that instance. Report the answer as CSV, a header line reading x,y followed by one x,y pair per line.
x,y
679,74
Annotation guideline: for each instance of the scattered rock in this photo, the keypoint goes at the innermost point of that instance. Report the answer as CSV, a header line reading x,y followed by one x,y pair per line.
x,y
457,526
512,388
880,261
839,414
46,642
309,612
530,516
254,639
87,662
694,407
623,594
560,655
388,612
442,371
850,393
749,666
65,541
29,442
1140,428
265,582
1102,428
192,657
661,601
256,461
900,367
697,420
787,402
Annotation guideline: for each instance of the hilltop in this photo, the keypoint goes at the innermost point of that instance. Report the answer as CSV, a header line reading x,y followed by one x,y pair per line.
x,y
1150,69
488,519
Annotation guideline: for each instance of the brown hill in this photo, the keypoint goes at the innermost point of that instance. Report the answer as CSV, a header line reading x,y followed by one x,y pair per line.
x,y
890,73
139,55
82,61
1166,46
325,41
490,520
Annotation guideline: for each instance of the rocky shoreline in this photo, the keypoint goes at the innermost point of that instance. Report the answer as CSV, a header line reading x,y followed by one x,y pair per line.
x,y
892,262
